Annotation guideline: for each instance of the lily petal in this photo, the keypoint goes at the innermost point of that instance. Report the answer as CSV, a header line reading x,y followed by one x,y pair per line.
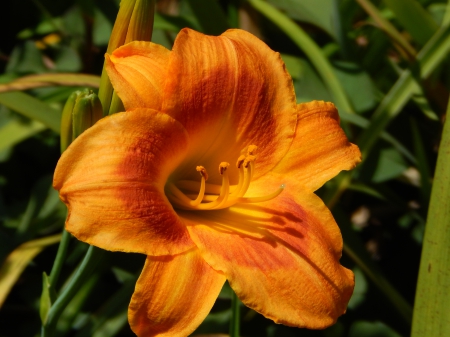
x,y
112,179
227,89
138,71
224,90
320,149
173,295
281,257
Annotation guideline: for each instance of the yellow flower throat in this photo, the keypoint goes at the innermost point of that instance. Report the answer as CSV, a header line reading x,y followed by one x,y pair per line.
x,y
211,196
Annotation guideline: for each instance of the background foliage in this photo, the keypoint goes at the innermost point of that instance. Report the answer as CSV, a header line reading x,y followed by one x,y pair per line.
x,y
384,63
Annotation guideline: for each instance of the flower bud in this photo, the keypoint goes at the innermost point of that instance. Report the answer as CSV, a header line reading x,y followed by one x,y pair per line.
x,y
134,22
82,110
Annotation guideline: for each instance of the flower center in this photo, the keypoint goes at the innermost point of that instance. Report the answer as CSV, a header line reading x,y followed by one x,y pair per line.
x,y
211,196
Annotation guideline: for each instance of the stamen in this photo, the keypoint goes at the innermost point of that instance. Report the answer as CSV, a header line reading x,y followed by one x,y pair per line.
x,y
219,196
248,174
240,161
186,201
264,198
223,167
202,171
224,191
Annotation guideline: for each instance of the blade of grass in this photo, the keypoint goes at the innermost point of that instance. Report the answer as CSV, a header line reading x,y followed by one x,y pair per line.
x,y
416,20
49,80
17,261
92,258
388,27
431,313
446,19
310,48
364,123
434,52
15,131
32,108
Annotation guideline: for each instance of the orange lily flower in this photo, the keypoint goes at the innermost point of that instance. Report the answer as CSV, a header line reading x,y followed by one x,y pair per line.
x,y
133,183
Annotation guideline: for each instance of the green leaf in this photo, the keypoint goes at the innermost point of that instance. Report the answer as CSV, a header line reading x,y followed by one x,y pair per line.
x,y
26,58
18,260
171,23
390,164
209,15
316,12
387,27
358,84
359,293
364,123
434,52
416,20
67,60
32,108
101,30
431,312
371,329
308,85
310,48
16,131
50,80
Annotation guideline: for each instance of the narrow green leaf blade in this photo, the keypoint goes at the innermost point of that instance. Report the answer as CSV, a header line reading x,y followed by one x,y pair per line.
x,y
209,15
32,108
434,52
416,20
49,80
431,311
14,132
386,26
17,261
310,48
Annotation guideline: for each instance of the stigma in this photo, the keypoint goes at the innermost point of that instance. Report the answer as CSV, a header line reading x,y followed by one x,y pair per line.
x,y
183,194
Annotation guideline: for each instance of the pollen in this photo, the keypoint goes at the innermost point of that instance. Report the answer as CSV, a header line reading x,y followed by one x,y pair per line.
x,y
212,196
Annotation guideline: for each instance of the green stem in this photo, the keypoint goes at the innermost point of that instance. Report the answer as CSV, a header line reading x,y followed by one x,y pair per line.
x,y
59,260
90,261
235,316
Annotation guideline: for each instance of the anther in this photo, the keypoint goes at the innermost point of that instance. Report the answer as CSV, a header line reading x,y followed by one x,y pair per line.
x,y
240,161
202,172
223,167
248,160
251,150
212,196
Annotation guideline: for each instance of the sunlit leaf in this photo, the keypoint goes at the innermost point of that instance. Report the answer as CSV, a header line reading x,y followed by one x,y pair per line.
x,y
16,131
417,21
432,299
48,80
32,108
371,329
316,12
17,261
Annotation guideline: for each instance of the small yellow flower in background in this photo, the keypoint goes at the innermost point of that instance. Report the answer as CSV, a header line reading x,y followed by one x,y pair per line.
x,y
211,173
